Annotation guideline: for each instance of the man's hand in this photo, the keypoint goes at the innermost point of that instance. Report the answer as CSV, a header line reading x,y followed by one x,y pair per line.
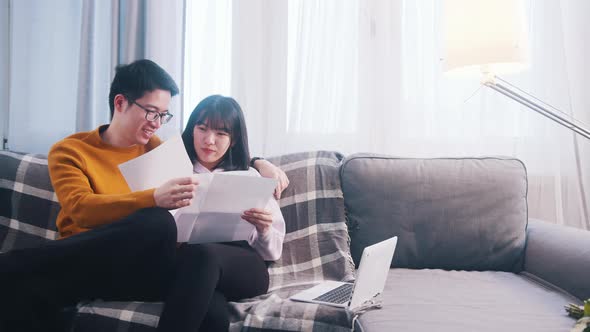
x,y
175,193
268,170
260,218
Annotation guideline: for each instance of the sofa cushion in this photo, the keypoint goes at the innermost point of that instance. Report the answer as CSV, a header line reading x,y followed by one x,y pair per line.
x,y
436,300
463,214
28,205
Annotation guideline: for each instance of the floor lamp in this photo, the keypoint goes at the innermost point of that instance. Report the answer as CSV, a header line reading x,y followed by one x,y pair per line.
x,y
490,36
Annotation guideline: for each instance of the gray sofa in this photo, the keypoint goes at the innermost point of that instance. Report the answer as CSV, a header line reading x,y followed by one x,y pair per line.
x,y
468,258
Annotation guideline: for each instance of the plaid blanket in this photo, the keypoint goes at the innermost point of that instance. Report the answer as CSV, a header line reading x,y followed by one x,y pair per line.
x,y
316,246
28,205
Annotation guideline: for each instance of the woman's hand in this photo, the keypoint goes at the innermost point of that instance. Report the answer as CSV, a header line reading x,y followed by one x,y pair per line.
x,y
268,170
260,218
175,193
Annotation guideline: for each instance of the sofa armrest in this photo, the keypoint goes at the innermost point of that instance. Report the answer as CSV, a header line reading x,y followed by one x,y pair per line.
x,y
559,255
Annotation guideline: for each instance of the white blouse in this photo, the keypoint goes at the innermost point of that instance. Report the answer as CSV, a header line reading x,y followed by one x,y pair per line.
x,y
270,245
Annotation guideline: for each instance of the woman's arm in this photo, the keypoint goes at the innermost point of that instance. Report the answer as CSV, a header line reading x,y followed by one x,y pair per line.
x,y
268,170
267,239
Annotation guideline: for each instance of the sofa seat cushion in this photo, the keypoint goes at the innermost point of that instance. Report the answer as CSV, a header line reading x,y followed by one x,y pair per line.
x,y
437,300
271,312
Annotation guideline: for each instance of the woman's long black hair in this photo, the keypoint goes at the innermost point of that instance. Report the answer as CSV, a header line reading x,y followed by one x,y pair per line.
x,y
220,113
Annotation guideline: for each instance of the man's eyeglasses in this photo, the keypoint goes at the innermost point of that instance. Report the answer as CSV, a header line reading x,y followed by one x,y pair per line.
x,y
152,116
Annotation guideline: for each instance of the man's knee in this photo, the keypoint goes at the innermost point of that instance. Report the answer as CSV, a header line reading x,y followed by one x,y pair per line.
x,y
157,222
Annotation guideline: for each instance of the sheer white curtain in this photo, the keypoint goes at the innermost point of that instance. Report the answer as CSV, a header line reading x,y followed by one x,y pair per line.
x,y
356,76
302,70
445,116
322,66
208,51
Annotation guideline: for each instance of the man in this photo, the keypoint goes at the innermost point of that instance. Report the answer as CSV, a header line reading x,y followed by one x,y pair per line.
x,y
114,244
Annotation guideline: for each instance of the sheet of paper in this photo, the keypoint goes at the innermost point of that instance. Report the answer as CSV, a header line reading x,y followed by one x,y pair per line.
x,y
224,198
185,217
220,227
232,193
152,169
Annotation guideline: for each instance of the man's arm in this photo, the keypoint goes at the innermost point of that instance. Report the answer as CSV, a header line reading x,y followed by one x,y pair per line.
x,y
79,201
268,170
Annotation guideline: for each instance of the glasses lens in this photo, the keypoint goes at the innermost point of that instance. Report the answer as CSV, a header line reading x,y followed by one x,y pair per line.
x,y
151,116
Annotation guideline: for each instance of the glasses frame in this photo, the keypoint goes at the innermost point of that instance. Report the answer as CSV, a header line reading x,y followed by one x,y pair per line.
x,y
163,117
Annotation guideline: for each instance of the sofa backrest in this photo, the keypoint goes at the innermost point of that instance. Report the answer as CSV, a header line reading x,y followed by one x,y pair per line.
x,y
454,214
316,245
28,205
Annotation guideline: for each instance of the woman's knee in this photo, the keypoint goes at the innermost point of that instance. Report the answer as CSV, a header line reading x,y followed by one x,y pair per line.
x,y
263,283
244,275
258,285
217,317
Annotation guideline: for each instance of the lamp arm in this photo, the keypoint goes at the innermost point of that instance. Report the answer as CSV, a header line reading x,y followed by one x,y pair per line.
x,y
512,94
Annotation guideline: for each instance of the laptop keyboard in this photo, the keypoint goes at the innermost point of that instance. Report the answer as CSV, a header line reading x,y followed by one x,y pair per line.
x,y
340,294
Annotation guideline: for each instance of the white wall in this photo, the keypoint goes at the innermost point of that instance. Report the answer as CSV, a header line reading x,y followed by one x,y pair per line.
x,y
4,59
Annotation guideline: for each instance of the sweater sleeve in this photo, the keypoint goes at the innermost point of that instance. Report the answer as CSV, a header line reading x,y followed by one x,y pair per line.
x,y
77,197
270,245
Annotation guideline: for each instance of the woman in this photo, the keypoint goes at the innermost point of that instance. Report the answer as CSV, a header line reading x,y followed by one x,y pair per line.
x,y
216,140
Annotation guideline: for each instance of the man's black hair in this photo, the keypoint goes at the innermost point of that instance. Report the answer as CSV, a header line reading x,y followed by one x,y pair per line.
x,y
137,78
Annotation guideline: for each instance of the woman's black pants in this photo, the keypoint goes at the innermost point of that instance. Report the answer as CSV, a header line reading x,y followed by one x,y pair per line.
x,y
134,259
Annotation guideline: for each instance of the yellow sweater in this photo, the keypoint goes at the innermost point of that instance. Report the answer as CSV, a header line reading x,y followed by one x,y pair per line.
x,y
90,188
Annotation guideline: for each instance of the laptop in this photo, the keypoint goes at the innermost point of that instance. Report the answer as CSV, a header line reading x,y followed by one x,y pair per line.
x,y
370,280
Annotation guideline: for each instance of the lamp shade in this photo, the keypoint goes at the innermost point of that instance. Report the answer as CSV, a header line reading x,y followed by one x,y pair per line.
x,y
484,34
